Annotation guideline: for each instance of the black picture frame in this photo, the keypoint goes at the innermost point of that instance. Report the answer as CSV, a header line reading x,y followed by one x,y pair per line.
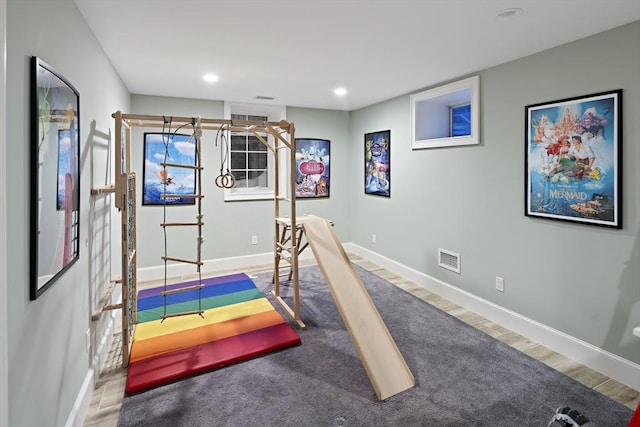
x,y
573,159
55,190
313,177
157,181
377,163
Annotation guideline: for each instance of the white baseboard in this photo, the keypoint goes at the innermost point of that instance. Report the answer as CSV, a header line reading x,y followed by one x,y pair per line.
x,y
609,364
83,400
175,270
81,405
210,266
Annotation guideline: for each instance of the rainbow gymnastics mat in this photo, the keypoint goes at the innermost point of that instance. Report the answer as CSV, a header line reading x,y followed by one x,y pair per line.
x,y
238,323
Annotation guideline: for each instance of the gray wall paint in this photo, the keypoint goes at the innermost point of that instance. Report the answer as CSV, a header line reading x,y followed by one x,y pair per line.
x,y
4,384
230,225
581,280
334,126
46,338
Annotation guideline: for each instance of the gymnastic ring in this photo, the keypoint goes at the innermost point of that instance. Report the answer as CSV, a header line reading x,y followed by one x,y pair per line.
x,y
226,180
230,180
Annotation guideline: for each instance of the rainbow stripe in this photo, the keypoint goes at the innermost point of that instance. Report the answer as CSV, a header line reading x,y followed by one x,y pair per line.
x,y
238,323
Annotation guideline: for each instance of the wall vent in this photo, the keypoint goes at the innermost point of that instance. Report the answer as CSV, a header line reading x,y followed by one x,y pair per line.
x,y
449,260
265,98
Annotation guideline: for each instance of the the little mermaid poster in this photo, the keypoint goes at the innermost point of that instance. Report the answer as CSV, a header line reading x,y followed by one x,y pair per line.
x,y
573,159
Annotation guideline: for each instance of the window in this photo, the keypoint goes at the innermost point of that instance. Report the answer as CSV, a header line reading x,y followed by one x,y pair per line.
x,y
446,115
460,121
248,159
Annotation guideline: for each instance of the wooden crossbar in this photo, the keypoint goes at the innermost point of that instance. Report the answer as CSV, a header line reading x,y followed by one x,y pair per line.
x,y
184,166
166,258
103,190
185,289
184,196
178,224
184,313
102,305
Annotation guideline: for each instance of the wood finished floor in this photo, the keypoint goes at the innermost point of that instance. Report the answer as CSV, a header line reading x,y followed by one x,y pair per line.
x,y
107,398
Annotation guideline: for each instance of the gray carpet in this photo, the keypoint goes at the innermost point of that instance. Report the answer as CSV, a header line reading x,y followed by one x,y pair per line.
x,y
463,377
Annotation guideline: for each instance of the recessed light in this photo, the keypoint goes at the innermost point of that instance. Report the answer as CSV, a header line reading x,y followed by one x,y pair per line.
x,y
509,14
340,91
210,78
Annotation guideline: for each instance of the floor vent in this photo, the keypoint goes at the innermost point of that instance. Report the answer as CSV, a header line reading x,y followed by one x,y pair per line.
x,y
449,260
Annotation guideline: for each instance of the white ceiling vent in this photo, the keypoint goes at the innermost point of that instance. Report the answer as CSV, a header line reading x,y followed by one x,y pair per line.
x,y
449,260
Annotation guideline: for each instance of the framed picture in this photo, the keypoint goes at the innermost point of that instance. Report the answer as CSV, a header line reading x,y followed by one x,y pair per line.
x,y
573,159
55,176
377,163
312,167
172,181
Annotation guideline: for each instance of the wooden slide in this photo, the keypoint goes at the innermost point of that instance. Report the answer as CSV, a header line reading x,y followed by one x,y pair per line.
x,y
387,370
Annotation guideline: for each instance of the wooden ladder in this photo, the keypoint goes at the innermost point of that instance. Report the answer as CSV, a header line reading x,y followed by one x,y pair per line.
x,y
198,196
283,245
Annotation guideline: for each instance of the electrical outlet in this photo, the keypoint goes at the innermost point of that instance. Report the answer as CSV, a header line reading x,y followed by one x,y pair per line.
x,y
254,240
499,284
373,238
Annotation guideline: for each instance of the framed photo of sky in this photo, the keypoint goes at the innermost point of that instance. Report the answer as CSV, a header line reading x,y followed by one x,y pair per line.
x,y
159,181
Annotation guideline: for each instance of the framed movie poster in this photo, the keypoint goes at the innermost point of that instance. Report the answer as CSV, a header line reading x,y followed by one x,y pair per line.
x,y
312,167
159,181
377,166
55,176
573,160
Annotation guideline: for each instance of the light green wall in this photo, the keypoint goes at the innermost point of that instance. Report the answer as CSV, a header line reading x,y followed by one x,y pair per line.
x,y
46,338
581,280
4,373
334,126
229,225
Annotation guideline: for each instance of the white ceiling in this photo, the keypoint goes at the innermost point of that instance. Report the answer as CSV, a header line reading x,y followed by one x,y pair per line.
x,y
299,51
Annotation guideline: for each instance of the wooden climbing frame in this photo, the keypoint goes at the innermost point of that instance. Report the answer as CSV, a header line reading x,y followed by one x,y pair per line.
x,y
281,140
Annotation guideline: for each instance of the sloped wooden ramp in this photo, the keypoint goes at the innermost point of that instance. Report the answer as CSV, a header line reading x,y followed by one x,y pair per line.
x,y
385,366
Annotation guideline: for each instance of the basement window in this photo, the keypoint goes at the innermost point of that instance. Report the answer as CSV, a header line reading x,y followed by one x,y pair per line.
x,y
247,158
447,115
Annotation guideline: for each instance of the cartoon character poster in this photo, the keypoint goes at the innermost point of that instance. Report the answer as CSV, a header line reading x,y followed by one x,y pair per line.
x,y
573,160
377,171
312,167
173,181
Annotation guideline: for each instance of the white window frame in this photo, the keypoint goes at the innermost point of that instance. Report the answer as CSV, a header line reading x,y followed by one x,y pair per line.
x,y
274,114
430,114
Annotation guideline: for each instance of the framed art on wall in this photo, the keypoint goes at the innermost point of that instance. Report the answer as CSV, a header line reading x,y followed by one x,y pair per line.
x,y
159,181
312,167
377,163
573,159
55,176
